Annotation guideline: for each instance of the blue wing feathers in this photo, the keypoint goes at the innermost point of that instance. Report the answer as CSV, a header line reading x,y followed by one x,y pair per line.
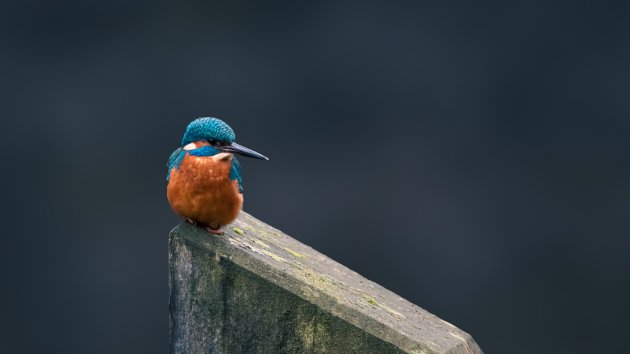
x,y
174,160
235,173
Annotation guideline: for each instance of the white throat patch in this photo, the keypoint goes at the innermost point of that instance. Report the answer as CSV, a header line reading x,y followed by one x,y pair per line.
x,y
191,146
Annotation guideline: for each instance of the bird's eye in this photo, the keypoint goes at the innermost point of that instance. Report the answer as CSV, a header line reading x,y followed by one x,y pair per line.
x,y
212,142
224,143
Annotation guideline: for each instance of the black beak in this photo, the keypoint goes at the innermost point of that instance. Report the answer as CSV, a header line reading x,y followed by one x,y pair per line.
x,y
235,148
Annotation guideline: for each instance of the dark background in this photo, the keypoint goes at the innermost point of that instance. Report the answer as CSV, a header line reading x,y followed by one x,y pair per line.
x,y
472,158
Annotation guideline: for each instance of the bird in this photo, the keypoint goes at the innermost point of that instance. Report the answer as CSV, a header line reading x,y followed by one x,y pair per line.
x,y
204,183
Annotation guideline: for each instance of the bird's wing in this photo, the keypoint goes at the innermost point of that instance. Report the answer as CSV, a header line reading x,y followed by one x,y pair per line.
x,y
174,160
235,173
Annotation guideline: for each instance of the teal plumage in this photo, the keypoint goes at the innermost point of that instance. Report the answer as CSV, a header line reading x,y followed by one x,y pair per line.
x,y
201,128
235,173
174,160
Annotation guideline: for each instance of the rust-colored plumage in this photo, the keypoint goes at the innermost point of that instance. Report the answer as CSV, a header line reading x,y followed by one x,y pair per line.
x,y
201,190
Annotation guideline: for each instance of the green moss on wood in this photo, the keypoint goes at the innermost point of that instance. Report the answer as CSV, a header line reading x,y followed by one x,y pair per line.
x,y
294,253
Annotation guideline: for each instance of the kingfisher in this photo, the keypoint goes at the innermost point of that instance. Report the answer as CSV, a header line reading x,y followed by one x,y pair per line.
x,y
204,184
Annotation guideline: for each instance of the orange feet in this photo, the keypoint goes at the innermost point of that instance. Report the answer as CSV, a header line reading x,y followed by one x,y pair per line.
x,y
216,231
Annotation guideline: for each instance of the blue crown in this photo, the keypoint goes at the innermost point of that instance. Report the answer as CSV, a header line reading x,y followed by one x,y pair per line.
x,y
208,128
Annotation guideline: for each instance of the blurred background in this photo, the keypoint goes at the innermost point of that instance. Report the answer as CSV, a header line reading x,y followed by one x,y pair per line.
x,y
472,158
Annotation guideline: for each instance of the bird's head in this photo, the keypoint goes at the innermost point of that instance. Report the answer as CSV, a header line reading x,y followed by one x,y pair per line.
x,y
217,134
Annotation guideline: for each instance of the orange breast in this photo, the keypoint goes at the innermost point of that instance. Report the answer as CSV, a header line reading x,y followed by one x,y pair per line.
x,y
201,190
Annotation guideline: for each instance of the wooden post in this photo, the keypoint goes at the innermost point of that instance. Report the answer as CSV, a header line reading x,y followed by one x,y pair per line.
x,y
256,290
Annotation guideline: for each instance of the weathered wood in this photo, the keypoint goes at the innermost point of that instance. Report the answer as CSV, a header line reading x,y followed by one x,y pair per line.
x,y
256,290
